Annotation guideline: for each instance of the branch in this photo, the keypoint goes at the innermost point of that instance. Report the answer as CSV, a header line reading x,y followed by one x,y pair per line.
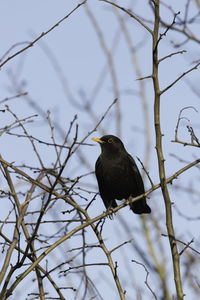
x,y
186,244
145,77
167,28
147,173
130,14
160,155
41,35
190,129
13,97
85,224
46,274
175,81
146,280
172,54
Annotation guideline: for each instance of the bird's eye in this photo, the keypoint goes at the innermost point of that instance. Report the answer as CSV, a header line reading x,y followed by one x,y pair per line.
x,y
110,140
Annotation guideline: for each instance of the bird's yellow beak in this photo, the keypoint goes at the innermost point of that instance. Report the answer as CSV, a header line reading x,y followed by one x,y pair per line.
x,y
98,140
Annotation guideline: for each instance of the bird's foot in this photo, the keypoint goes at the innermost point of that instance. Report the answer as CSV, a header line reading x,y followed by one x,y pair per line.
x,y
110,213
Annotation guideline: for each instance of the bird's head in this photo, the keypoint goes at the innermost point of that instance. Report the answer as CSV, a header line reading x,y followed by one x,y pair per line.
x,y
110,144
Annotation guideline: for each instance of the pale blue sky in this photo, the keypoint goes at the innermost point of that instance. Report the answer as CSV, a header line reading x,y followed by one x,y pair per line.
x,y
78,55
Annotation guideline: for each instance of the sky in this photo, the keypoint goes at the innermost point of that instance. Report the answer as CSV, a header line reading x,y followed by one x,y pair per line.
x,y
67,73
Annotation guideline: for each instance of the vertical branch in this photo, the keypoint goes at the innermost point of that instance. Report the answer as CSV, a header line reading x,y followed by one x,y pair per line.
x,y
113,267
19,222
161,160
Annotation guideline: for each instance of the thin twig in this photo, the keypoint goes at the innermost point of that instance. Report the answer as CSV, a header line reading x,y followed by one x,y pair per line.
x,y
186,244
147,173
86,224
180,77
131,15
41,35
146,279
171,54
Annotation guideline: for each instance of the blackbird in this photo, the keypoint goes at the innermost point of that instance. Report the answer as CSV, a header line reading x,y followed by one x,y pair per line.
x,y
118,176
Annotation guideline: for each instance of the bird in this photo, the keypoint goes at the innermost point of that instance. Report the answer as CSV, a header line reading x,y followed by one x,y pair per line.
x,y
118,176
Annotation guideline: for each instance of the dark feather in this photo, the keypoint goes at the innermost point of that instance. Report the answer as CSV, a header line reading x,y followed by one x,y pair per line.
x,y
118,175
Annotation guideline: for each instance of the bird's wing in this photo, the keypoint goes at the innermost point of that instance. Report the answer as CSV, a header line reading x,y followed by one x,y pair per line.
x,y
108,201
98,172
139,206
138,182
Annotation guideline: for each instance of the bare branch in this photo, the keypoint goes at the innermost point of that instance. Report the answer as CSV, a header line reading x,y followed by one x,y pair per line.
x,y
180,77
41,35
194,139
147,275
186,244
130,14
171,54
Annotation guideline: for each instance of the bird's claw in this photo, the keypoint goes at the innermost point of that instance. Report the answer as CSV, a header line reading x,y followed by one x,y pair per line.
x,y
110,213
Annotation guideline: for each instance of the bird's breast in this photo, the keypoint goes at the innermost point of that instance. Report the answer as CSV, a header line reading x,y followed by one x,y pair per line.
x,y
115,178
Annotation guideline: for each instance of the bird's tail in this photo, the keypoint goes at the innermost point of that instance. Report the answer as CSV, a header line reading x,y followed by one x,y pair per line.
x,y
140,207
